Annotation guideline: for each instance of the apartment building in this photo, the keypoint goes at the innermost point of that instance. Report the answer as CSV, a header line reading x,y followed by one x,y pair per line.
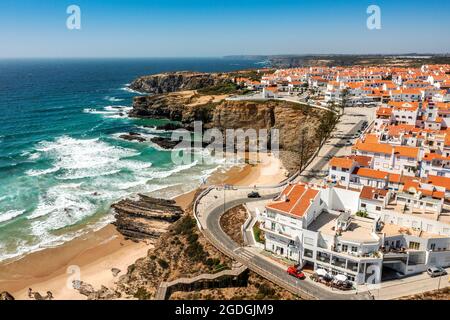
x,y
319,227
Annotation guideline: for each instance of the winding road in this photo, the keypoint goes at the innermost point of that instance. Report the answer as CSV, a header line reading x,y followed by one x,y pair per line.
x,y
214,201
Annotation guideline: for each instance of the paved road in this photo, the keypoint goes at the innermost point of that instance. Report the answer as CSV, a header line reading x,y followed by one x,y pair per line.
x,y
213,203
212,230
337,145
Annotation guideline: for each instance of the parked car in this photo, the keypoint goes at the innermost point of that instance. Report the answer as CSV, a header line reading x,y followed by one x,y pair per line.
x,y
254,194
295,272
436,272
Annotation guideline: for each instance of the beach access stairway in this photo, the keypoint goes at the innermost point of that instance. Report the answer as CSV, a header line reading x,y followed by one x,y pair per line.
x,y
203,281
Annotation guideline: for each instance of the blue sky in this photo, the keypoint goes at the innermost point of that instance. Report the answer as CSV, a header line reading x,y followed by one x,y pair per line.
x,y
197,28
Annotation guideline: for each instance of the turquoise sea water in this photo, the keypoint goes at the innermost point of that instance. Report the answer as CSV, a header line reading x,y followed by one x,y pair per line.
x,y
61,162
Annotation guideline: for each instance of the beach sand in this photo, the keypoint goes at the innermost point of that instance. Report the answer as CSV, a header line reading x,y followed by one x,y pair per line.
x,y
96,253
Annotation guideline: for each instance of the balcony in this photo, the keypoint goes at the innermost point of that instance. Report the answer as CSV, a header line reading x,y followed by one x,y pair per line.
x,y
308,253
338,263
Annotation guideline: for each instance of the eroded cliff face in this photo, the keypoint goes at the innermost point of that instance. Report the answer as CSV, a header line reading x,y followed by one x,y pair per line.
x,y
177,81
289,118
181,107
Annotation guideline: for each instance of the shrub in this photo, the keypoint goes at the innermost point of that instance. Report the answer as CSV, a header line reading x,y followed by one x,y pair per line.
x,y
163,263
362,214
193,237
142,294
266,291
185,225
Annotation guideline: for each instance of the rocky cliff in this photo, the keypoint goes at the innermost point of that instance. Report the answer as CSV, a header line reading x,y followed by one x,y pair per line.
x,y
289,118
145,217
176,81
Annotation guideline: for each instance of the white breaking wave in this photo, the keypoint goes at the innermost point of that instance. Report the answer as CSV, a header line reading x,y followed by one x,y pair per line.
x,y
70,202
128,89
33,173
9,215
87,158
113,99
112,112
152,129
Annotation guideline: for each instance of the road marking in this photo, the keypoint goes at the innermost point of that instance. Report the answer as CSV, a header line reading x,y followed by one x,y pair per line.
x,y
244,253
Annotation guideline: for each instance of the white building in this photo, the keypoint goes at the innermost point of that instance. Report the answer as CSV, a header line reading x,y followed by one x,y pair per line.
x,y
317,227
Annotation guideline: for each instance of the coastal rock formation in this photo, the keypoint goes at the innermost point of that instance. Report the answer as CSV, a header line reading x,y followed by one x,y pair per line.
x,y
6,296
115,271
289,118
145,217
88,290
165,143
176,81
186,107
300,127
132,136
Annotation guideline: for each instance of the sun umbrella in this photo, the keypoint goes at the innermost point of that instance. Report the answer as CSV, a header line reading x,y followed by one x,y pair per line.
x,y
321,272
341,277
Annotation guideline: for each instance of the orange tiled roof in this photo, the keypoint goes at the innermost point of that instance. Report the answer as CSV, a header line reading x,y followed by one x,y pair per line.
x,y
381,175
438,181
370,193
384,112
299,197
363,161
345,163
410,152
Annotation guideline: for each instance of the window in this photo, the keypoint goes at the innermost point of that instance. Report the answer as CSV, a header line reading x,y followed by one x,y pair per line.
x,y
433,246
272,226
344,247
342,178
308,253
308,241
363,205
414,245
354,249
378,208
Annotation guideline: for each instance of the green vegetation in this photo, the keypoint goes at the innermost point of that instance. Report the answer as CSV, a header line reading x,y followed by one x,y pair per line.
x,y
142,294
326,126
259,237
194,250
362,214
224,88
163,263
185,225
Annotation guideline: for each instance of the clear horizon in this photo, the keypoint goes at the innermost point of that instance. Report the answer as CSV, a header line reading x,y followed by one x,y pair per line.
x,y
200,28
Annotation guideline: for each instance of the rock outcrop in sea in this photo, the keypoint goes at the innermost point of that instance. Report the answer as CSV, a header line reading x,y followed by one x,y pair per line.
x,y
145,217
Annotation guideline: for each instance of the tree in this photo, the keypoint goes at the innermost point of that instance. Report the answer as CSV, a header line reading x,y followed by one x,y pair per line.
x,y
326,126
304,146
344,98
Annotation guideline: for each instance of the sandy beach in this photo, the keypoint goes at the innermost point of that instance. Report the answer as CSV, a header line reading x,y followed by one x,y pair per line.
x,y
96,253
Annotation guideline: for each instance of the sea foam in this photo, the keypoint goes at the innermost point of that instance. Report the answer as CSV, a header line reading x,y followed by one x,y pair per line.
x,y
9,215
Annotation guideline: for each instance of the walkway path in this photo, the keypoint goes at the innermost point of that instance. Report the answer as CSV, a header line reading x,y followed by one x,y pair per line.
x,y
164,287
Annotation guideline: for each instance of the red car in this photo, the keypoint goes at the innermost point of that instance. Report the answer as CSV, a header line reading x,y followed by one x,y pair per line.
x,y
293,271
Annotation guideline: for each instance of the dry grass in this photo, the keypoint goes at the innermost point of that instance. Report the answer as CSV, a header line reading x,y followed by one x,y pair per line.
x,y
232,221
258,288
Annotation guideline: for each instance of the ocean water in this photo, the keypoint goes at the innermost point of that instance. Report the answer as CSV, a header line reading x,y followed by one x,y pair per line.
x,y
61,161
